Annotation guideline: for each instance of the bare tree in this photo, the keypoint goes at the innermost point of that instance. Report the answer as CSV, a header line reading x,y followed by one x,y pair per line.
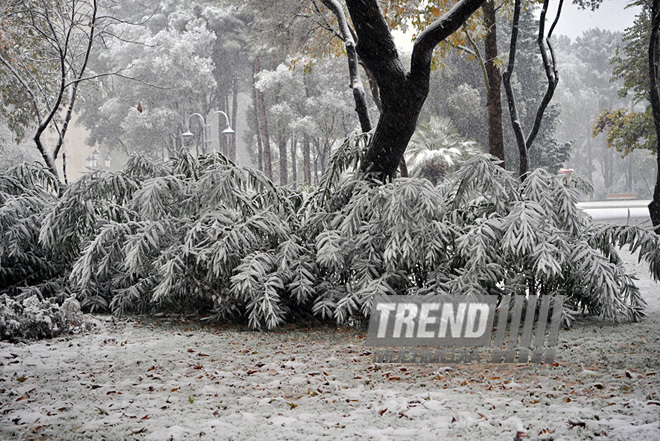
x,y
550,66
48,59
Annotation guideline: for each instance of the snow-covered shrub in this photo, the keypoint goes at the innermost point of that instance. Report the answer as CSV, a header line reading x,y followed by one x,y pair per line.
x,y
204,234
481,231
437,148
33,318
26,266
223,239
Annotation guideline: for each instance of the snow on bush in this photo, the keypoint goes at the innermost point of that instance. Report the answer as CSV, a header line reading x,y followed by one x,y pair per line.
x,y
221,239
33,318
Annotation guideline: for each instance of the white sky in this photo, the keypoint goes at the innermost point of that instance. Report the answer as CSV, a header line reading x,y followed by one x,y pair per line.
x,y
611,15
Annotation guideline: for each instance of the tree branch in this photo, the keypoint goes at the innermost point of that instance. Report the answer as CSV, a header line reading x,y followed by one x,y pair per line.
x,y
27,88
74,89
375,44
550,66
510,96
440,29
356,84
476,53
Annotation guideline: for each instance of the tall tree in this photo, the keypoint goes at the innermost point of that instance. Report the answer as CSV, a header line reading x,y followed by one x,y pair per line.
x,y
524,140
402,92
262,123
654,98
637,66
493,83
45,47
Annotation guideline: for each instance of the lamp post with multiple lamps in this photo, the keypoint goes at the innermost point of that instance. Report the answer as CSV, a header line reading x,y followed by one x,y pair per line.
x,y
206,127
93,162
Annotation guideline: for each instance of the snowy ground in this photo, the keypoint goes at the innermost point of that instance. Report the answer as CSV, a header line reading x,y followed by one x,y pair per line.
x,y
174,380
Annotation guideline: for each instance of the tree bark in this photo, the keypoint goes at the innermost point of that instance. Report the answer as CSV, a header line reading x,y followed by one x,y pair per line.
x,y
654,98
294,163
234,121
494,84
281,142
356,86
257,122
402,93
307,165
263,124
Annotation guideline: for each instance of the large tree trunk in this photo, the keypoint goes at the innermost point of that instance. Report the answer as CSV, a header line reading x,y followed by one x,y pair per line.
x,y
263,124
654,60
493,88
402,93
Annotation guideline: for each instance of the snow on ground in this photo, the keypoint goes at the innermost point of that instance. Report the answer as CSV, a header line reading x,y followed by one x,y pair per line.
x,y
173,380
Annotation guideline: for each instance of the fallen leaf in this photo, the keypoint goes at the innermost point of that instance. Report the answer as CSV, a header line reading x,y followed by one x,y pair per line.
x,y
577,423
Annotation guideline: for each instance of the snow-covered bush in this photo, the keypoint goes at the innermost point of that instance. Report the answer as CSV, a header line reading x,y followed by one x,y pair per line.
x,y
204,234
33,318
26,266
222,239
481,231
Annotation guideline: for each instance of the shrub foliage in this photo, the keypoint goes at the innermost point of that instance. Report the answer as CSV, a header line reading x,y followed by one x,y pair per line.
x,y
219,238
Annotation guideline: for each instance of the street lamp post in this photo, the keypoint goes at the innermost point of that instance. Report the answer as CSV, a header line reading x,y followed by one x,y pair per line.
x,y
189,134
93,162
206,128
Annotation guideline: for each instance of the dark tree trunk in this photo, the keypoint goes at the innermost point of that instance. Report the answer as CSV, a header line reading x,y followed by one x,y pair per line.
x,y
257,122
493,88
222,139
66,178
234,121
654,60
263,124
403,168
402,93
281,142
356,86
307,165
549,64
294,163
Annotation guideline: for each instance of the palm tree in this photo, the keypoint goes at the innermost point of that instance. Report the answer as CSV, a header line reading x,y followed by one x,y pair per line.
x,y
437,148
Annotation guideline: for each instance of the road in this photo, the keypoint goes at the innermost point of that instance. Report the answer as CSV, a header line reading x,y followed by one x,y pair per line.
x,y
634,212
